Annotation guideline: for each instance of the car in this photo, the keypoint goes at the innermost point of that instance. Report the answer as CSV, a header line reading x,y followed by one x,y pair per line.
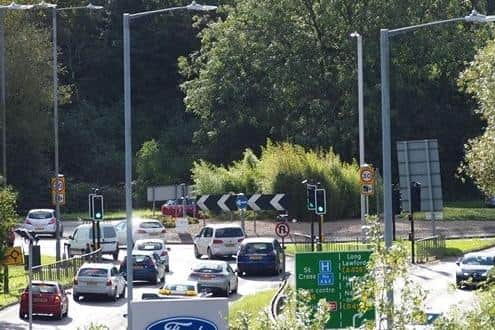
x,y
42,221
81,240
141,229
150,246
473,268
218,240
174,207
49,298
260,254
145,267
184,289
99,279
214,276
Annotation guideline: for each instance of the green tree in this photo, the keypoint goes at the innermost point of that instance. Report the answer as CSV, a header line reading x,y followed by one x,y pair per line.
x,y
8,219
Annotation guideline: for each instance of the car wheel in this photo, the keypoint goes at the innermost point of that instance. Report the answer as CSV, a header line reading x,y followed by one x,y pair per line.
x,y
115,255
155,279
66,311
167,269
115,294
59,315
458,282
75,296
234,291
22,315
196,252
210,255
227,290
123,293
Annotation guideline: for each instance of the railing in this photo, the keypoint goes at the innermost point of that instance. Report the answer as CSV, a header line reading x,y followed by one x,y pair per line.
x,y
429,248
64,270
302,243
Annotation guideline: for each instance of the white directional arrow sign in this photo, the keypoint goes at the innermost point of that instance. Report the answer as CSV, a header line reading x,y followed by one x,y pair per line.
x,y
221,203
252,202
275,202
201,202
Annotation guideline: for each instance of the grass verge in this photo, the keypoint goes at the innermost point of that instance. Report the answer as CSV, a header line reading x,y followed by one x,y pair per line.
x,y
18,279
252,304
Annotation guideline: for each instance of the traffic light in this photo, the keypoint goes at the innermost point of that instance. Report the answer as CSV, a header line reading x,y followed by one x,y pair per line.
x,y
415,196
321,201
396,200
97,208
310,197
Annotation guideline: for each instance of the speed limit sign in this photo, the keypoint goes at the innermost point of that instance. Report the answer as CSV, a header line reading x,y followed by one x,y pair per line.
x,y
366,174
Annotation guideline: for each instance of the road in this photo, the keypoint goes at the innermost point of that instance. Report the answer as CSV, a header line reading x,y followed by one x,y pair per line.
x,y
111,313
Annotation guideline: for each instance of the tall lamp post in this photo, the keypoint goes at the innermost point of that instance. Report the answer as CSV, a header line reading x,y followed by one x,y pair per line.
x,y
385,35
127,18
55,10
12,6
359,39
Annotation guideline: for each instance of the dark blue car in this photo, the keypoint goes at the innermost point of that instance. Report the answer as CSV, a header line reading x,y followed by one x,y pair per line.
x,y
260,255
145,268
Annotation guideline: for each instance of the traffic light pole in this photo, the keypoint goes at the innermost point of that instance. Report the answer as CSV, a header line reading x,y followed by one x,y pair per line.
x,y
320,228
313,218
411,236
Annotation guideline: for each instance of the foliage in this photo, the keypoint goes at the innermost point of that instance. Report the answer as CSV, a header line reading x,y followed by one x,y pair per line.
x,y
252,305
388,268
297,314
95,326
8,219
477,80
281,168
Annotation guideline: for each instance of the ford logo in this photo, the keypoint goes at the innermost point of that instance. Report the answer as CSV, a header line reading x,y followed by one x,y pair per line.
x,y
182,323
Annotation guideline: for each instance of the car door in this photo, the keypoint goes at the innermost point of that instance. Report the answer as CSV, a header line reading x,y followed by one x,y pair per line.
x,y
232,276
80,239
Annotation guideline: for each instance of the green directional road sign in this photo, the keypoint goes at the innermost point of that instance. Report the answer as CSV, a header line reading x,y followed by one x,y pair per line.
x,y
327,276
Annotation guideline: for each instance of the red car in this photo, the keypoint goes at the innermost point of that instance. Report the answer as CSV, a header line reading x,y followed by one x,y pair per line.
x,y
49,298
173,207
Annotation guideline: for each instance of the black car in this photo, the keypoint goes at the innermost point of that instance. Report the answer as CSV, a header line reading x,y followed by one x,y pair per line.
x,y
473,268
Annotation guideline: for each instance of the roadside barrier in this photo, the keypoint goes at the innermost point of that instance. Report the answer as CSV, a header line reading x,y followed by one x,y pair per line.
x,y
278,299
429,248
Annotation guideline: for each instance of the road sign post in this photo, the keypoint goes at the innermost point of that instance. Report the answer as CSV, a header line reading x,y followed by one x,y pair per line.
x,y
327,275
242,202
282,230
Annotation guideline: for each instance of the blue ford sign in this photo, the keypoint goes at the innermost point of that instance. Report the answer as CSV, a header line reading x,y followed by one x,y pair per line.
x,y
182,323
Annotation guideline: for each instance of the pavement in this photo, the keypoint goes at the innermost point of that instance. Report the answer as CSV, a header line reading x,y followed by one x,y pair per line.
x,y
349,229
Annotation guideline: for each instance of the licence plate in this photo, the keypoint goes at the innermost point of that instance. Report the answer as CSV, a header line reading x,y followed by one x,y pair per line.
x,y
138,267
40,228
255,257
206,277
40,300
155,234
230,245
90,283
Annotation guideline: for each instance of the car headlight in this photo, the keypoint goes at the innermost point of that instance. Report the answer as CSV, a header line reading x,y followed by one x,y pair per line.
x,y
484,273
465,274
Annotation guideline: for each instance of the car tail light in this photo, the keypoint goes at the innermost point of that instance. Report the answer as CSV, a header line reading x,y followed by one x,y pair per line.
x,y
217,241
57,299
24,296
240,240
163,231
141,231
194,274
109,282
75,281
164,253
27,222
52,221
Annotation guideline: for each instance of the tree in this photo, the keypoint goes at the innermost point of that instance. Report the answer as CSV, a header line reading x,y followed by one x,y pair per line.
x,y
8,219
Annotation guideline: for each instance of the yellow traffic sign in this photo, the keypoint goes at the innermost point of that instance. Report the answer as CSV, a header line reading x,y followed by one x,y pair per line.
x,y
60,196
58,184
366,174
13,256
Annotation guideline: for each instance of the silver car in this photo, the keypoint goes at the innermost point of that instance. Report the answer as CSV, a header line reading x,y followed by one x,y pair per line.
x,y
99,279
216,277
42,221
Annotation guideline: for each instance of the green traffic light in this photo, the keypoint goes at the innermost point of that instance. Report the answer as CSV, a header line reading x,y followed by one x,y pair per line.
x,y
98,215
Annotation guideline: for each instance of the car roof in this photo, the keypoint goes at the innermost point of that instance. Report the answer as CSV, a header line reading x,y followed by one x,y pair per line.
x,y
46,282
258,240
41,210
102,224
98,265
479,254
223,225
149,240
211,262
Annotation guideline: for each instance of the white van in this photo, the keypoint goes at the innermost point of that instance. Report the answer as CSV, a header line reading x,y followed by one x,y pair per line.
x,y
83,235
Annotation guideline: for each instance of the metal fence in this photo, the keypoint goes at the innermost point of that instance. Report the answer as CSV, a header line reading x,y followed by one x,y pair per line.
x,y
302,243
64,270
429,248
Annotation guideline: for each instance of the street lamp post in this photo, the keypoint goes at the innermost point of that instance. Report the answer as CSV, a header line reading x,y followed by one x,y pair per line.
x,y
12,6
55,10
385,35
361,114
126,19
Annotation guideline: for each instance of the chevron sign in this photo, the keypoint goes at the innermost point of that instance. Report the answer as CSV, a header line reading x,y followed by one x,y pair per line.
x,y
256,202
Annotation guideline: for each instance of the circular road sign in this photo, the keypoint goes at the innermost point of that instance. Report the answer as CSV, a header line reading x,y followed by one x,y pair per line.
x,y
282,229
366,175
58,184
241,201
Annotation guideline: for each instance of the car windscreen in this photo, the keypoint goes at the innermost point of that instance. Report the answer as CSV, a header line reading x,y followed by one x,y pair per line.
x,y
149,246
205,268
40,215
478,260
109,232
44,288
229,232
252,248
93,272
150,225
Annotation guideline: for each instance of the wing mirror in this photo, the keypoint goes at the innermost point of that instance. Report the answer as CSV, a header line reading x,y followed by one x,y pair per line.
x,y
458,262
168,249
71,237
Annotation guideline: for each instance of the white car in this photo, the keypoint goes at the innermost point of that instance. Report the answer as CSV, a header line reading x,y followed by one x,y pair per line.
x,y
101,279
150,246
141,229
218,240
42,221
